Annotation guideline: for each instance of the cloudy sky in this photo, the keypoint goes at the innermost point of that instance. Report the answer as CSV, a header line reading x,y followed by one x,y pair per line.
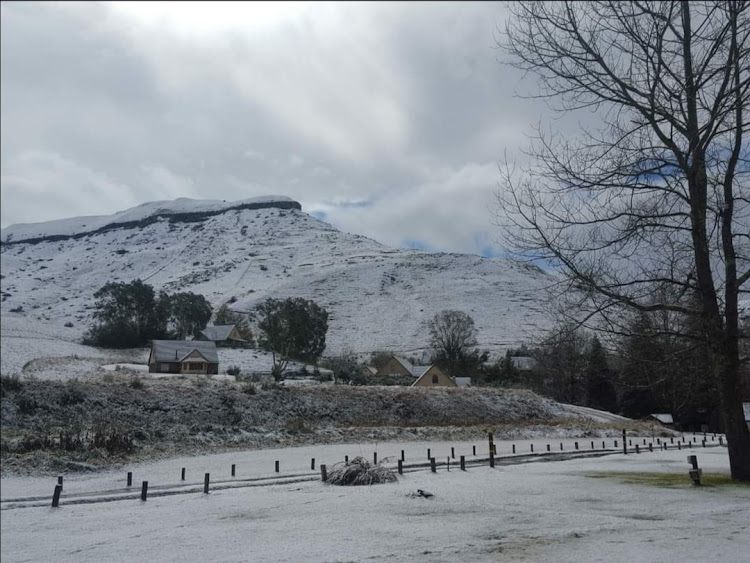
x,y
386,120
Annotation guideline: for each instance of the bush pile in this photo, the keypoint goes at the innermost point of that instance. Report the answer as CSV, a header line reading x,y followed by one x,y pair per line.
x,y
359,471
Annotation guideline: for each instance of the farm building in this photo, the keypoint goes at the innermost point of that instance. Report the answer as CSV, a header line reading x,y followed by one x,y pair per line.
x,y
222,335
184,357
664,418
433,376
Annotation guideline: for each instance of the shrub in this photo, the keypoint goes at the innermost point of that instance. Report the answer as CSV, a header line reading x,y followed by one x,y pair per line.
x,y
137,383
26,404
71,395
249,389
18,309
359,471
234,370
10,383
68,324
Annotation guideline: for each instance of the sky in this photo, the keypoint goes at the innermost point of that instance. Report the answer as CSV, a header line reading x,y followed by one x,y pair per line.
x,y
384,119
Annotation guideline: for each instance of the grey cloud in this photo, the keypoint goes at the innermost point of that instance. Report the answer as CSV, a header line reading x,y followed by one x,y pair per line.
x,y
403,106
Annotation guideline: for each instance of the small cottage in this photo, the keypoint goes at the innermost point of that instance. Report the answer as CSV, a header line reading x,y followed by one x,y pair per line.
x,y
433,376
223,335
183,357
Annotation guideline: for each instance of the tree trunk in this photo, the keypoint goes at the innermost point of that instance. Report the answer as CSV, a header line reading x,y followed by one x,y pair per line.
x,y
735,427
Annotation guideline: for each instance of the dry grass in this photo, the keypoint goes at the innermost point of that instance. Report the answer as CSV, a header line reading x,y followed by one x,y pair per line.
x,y
359,471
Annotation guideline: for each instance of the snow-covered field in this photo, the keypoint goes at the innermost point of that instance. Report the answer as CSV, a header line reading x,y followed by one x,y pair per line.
x,y
558,511
34,348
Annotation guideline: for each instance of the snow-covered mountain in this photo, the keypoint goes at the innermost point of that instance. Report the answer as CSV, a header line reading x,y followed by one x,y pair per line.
x,y
243,252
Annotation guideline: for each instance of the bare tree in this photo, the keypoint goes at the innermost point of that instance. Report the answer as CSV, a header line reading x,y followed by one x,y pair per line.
x,y
452,335
651,208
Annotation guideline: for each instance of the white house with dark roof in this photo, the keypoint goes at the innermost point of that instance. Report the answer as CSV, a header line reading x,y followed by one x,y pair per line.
x,y
183,356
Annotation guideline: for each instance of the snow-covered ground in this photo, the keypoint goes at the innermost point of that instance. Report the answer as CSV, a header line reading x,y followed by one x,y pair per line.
x,y
378,297
559,511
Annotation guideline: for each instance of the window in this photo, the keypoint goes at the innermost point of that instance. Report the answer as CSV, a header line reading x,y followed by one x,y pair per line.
x,y
435,378
195,366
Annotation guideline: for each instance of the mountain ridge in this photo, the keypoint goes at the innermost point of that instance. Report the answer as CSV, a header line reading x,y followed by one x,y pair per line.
x,y
379,298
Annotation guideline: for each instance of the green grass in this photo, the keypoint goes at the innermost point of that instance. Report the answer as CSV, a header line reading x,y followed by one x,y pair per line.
x,y
670,480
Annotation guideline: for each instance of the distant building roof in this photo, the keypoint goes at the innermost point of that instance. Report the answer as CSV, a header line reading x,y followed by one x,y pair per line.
x,y
664,418
463,381
176,350
218,333
418,371
524,363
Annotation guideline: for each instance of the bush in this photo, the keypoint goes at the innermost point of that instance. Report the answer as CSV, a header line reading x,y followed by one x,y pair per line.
x,y
71,395
249,389
9,383
137,383
234,370
359,471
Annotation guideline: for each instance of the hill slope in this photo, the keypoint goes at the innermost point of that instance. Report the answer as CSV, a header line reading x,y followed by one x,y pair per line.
x,y
244,252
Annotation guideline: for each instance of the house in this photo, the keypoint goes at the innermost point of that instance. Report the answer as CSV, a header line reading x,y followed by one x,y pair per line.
x,y
664,418
463,381
433,376
222,335
523,363
184,357
368,372
398,366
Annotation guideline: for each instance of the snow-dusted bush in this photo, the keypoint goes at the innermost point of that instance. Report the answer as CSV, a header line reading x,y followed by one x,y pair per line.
x,y
359,471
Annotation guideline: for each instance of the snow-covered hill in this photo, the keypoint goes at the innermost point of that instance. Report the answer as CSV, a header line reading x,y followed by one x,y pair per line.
x,y
243,252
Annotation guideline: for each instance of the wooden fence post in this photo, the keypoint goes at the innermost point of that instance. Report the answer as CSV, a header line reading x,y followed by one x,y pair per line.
x,y
130,478
400,467
637,449
375,458
463,463
432,465
206,479
56,496
514,448
323,472
233,470
403,458
548,448
312,464
60,481
453,453
532,448
183,474
144,490
576,444
277,466
346,460
429,454
492,459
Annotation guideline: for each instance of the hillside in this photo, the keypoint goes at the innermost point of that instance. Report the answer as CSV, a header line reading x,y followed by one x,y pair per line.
x,y
181,416
243,252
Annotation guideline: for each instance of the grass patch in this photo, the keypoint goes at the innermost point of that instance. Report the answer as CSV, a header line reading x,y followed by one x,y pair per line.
x,y
669,480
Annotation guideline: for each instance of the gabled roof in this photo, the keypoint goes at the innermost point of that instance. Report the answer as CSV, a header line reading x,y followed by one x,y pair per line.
x,y
427,371
177,350
664,418
218,333
418,371
371,369
405,363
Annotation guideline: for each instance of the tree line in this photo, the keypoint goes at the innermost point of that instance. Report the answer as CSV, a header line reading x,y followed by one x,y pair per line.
x,y
130,315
